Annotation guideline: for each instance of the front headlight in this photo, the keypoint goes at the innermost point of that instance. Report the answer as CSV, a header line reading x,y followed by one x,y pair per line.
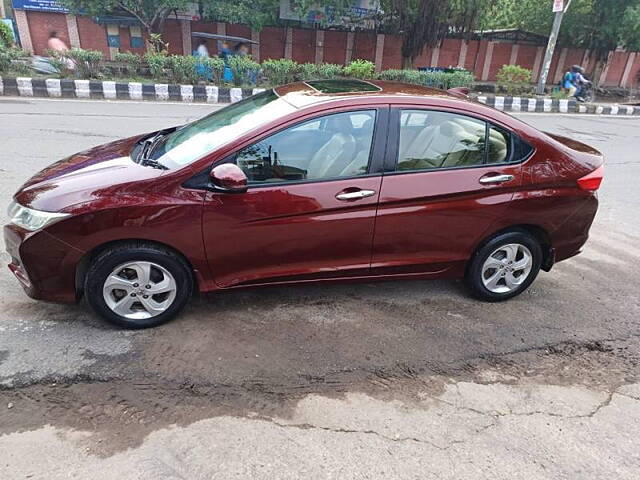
x,y
30,219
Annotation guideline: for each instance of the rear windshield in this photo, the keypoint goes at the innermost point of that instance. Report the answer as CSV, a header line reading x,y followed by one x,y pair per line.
x,y
194,140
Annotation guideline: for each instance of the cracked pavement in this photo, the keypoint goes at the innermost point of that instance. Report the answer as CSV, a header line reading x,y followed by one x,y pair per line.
x,y
391,380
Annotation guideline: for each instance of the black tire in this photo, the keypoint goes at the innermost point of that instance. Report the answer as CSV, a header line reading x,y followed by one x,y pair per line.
x,y
104,264
473,278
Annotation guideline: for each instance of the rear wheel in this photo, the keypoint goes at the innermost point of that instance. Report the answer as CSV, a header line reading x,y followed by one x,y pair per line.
x,y
505,266
138,285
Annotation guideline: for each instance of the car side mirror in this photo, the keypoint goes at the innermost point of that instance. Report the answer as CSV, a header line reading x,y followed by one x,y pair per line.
x,y
228,178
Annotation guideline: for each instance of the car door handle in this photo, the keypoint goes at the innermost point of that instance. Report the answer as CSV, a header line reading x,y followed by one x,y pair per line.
x,y
488,180
357,195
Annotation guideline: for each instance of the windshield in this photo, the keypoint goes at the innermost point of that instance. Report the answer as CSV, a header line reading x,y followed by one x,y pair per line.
x,y
190,142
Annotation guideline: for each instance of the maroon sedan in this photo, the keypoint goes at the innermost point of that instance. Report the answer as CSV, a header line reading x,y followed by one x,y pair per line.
x,y
319,181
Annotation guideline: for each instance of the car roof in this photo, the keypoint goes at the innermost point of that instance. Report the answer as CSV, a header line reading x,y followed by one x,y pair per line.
x,y
302,94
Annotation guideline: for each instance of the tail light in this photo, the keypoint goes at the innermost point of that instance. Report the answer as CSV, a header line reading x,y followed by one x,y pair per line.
x,y
592,180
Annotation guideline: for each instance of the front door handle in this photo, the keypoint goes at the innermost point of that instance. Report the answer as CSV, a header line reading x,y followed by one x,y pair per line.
x,y
357,195
488,180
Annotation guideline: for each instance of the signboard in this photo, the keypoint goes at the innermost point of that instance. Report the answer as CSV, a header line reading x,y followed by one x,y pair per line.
x,y
360,13
558,5
40,6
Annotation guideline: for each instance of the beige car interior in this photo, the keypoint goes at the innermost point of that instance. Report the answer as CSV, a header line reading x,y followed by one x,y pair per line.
x,y
448,140
339,145
334,146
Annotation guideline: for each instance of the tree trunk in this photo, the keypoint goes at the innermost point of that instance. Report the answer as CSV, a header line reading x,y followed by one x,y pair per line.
x,y
601,61
407,62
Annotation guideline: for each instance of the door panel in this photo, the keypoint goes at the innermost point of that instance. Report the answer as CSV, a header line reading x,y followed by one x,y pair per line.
x,y
309,213
440,197
276,233
426,220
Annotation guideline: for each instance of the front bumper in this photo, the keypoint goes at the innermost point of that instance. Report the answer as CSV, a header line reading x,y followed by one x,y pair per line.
x,y
44,265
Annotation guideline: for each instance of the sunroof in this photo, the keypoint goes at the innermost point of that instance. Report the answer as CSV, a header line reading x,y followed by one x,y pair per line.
x,y
342,86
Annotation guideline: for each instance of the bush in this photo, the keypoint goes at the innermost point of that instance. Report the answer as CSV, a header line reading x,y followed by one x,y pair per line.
x,y
87,62
444,80
460,78
514,79
360,69
327,71
406,76
59,62
182,69
215,65
245,70
6,35
130,62
280,72
307,71
559,94
13,60
157,63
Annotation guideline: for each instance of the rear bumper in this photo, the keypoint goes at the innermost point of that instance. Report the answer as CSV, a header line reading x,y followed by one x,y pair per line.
x,y
569,239
44,265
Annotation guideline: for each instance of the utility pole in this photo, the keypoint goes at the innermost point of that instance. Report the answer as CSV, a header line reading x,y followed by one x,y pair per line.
x,y
559,9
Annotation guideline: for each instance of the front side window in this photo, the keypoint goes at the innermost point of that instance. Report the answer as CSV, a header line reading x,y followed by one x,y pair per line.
x,y
432,139
332,146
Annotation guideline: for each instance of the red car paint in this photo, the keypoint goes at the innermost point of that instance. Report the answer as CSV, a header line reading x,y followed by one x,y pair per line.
x,y
418,224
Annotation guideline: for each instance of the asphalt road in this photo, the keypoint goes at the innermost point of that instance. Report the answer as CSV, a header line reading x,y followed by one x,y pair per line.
x,y
391,380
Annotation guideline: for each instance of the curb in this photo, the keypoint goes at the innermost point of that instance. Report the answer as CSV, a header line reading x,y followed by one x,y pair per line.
x,y
107,90
549,105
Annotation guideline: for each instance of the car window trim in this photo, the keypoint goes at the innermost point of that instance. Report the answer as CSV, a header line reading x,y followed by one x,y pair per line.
x,y
393,147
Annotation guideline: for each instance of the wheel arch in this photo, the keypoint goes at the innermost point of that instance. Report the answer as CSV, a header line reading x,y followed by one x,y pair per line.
x,y
83,265
539,233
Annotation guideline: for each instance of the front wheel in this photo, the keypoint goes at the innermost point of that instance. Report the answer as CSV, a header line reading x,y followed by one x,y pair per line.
x,y
138,285
504,267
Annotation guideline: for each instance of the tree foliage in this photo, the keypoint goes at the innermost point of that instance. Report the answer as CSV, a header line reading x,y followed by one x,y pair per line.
x,y
424,23
255,13
152,14
599,25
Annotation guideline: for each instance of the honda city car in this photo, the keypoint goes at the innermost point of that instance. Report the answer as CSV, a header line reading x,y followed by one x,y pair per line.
x,y
328,180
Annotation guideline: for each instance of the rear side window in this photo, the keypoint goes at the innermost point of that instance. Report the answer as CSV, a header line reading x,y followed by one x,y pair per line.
x,y
499,143
433,140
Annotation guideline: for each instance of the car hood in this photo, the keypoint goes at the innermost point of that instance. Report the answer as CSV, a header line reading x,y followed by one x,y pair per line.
x,y
104,172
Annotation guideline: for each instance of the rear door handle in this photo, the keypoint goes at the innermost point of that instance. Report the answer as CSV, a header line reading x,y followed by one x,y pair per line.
x,y
488,180
357,195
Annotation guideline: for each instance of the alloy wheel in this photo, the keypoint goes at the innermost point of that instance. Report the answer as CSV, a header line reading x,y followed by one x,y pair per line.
x,y
507,268
139,290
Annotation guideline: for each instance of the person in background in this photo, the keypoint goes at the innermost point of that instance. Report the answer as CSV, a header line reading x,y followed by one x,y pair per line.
x,y
54,43
202,51
57,45
242,50
224,49
569,81
580,81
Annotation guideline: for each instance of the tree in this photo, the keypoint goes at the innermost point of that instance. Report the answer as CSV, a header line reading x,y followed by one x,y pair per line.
x,y
424,23
152,14
598,25
255,13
